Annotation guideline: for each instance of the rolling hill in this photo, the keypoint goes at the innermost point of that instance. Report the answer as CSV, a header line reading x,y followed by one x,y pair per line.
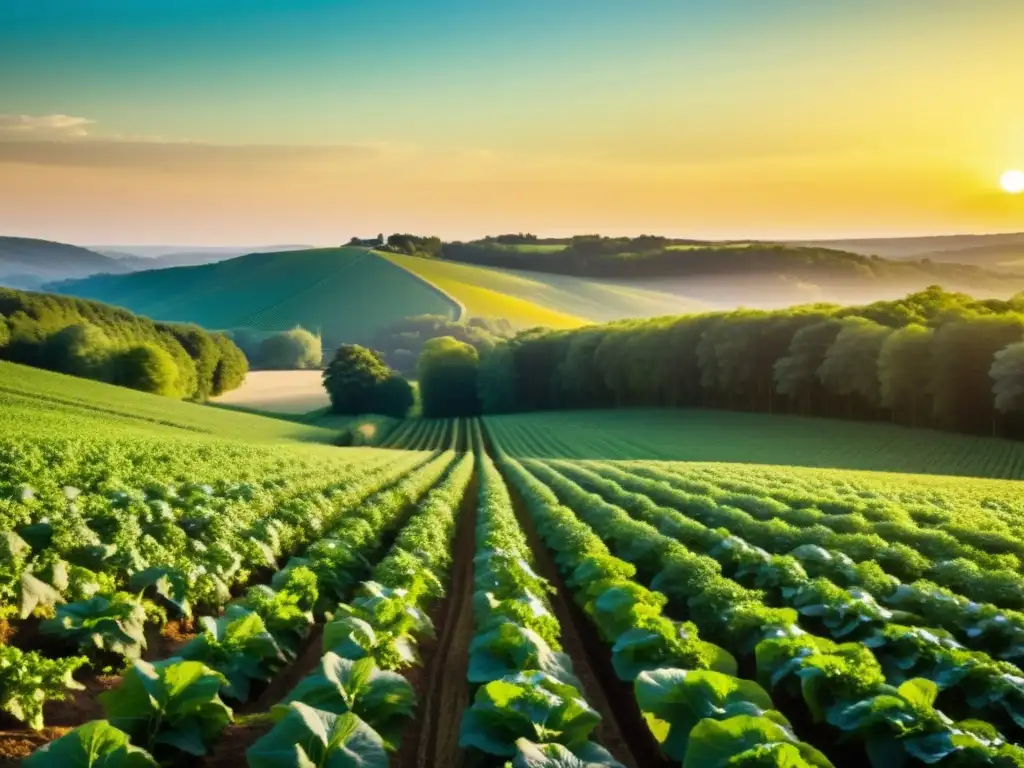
x,y
29,263
532,298
344,293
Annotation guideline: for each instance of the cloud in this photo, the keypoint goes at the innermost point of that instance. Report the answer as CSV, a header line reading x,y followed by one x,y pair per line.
x,y
61,125
130,154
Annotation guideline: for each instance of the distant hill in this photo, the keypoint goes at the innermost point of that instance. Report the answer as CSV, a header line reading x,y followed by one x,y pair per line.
x,y
141,257
346,294
29,263
919,247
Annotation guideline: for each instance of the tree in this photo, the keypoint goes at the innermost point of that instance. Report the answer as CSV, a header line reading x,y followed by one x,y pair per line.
x,y
1008,374
796,374
5,332
394,397
903,370
850,367
148,368
291,350
353,377
232,366
447,372
960,382
81,349
204,353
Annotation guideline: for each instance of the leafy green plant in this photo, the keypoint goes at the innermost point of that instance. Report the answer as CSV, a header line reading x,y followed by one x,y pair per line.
x,y
510,648
383,700
530,705
748,740
590,755
169,704
674,701
97,744
306,737
239,647
116,624
28,681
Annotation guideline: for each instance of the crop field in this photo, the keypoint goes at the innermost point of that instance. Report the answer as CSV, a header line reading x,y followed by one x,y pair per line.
x,y
345,294
468,594
530,299
279,392
751,438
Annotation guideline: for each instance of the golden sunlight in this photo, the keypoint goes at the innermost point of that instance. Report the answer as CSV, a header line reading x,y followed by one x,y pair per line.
x,y
1013,182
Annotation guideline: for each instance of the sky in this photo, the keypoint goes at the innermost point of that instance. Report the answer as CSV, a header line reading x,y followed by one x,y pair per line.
x,y
225,122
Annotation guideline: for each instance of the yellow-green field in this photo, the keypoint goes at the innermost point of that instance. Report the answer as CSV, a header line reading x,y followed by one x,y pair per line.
x,y
529,299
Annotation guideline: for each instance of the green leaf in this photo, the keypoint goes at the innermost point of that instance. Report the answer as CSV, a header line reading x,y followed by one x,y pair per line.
x,y
172,702
307,737
97,744
169,584
35,594
674,700
530,705
383,700
751,740
920,693
590,755
510,648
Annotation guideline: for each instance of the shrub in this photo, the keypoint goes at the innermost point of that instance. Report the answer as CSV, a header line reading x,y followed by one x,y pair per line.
x,y
394,397
148,368
353,377
297,348
80,350
447,371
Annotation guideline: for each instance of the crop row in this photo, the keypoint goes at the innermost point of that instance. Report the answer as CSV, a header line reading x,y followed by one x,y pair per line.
x,y
256,636
852,560
102,627
529,703
688,690
904,644
848,692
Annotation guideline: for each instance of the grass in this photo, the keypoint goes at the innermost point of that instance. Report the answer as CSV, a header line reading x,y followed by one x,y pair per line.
x,y
36,402
346,294
721,436
529,299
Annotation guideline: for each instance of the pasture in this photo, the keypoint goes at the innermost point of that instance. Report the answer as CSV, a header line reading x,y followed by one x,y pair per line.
x,y
290,392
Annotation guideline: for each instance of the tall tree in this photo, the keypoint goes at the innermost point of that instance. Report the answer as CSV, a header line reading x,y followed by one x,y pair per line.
x,y
796,373
353,377
904,366
447,372
850,367
1007,373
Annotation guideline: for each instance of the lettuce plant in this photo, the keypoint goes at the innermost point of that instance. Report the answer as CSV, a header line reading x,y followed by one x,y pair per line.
x,y
306,737
97,744
530,705
674,701
116,624
748,740
28,681
590,755
383,700
172,704
238,646
510,648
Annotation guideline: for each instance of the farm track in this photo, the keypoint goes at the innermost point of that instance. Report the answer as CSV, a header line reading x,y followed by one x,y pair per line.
x,y
622,730
440,681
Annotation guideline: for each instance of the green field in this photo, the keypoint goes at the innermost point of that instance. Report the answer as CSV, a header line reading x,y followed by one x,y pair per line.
x,y
717,561
724,436
344,293
39,402
530,298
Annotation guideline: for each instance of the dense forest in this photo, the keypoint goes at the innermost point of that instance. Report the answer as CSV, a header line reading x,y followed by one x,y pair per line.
x,y
401,343
934,359
97,341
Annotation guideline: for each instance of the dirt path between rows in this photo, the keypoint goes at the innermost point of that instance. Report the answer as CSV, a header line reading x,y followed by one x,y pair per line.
x,y
622,730
442,691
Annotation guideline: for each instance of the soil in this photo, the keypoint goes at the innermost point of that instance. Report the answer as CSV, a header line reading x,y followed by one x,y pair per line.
x,y
622,730
6,631
15,746
442,691
284,681
165,642
229,750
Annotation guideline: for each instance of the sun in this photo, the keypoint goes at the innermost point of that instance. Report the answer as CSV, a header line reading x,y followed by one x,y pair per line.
x,y
1013,182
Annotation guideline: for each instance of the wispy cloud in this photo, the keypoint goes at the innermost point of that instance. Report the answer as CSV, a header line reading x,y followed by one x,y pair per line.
x,y
55,125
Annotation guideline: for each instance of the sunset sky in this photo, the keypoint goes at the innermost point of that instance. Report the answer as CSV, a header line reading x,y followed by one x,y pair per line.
x,y
305,121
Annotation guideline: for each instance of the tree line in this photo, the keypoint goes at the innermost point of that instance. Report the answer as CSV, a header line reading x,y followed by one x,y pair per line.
x,y
109,344
932,359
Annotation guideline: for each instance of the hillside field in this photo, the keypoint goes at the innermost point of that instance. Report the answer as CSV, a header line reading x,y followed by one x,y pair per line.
x,y
279,392
346,294
529,299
